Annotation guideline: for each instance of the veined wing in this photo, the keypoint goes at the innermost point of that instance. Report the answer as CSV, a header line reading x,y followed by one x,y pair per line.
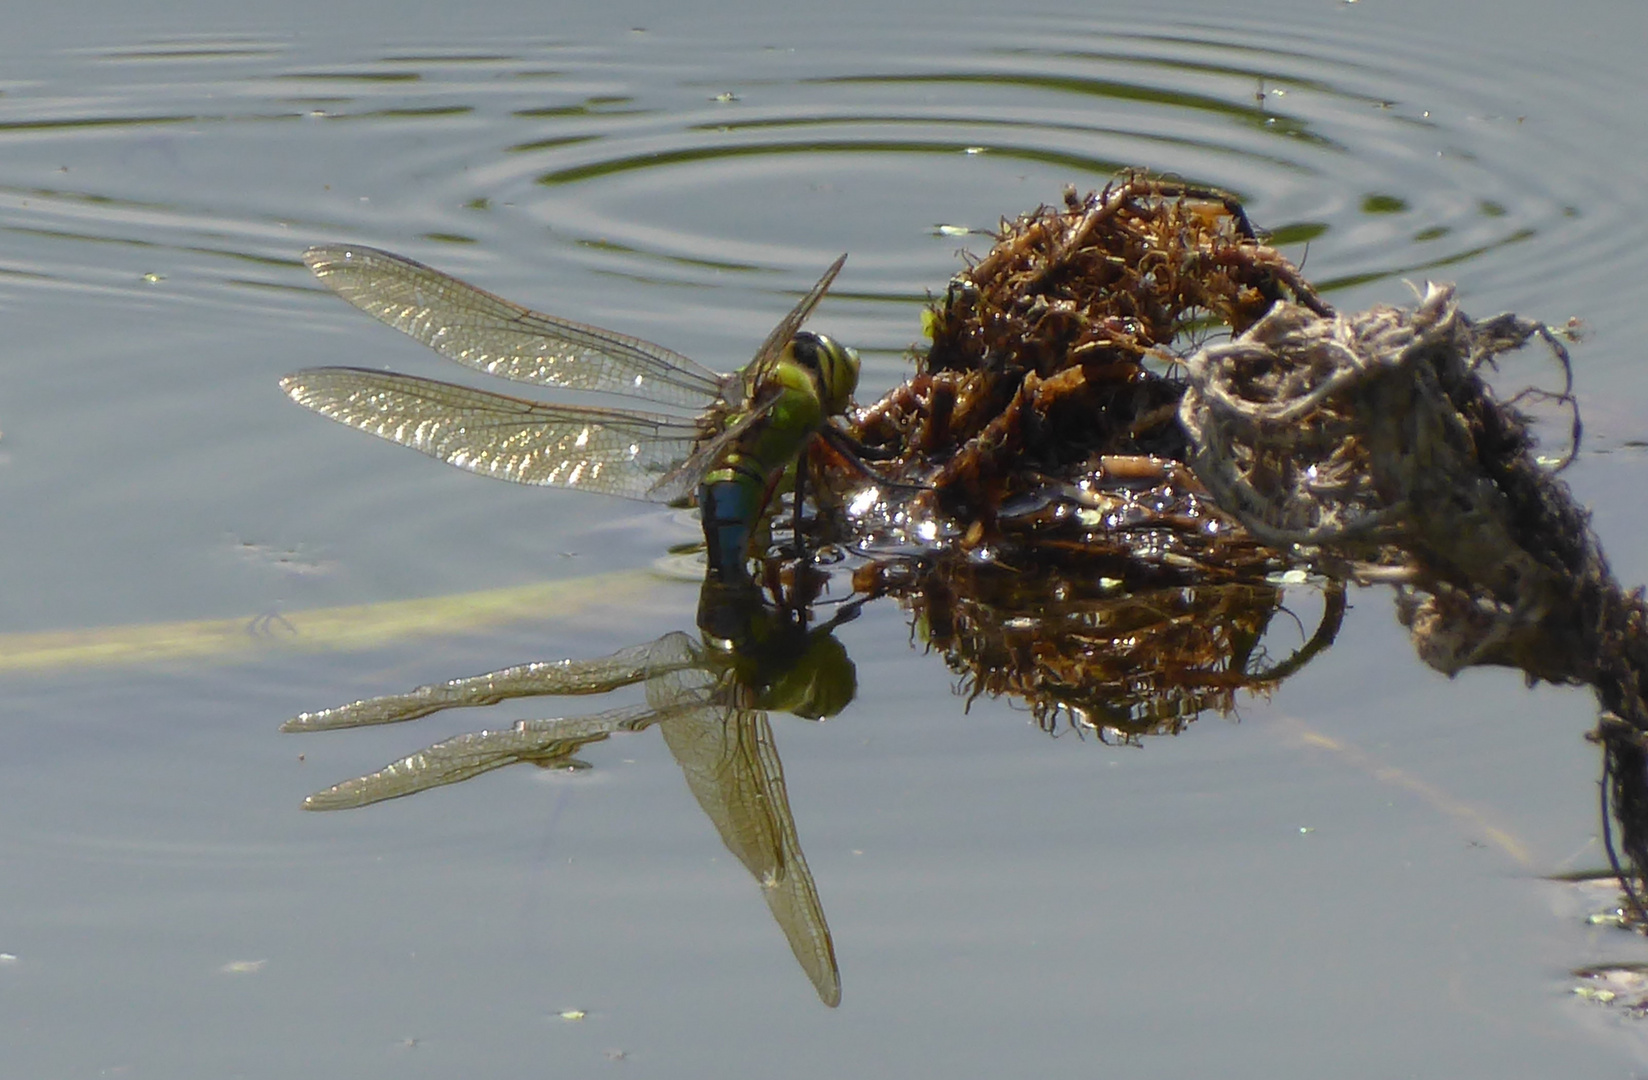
x,y
613,451
494,335
671,654
733,770
787,326
542,742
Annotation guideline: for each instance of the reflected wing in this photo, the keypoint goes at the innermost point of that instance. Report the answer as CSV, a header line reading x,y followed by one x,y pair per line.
x,y
542,742
491,334
787,326
674,652
612,451
733,770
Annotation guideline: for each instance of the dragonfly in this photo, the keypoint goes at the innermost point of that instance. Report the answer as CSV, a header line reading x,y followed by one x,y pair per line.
x,y
735,444
707,699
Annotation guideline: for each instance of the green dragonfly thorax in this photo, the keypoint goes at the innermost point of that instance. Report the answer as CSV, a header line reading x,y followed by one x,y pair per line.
x,y
810,381
793,395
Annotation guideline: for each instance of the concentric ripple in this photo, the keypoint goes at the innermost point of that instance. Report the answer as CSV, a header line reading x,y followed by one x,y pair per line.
x,y
660,157
685,184
684,181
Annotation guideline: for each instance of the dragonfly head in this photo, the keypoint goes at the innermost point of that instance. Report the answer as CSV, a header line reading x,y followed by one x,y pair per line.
x,y
834,368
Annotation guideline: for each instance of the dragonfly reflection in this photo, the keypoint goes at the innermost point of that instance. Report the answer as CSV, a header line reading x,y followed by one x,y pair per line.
x,y
736,454
709,700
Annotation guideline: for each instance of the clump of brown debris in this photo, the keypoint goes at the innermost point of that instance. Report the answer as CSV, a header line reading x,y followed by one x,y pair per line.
x,y
1136,382
1050,352
1069,557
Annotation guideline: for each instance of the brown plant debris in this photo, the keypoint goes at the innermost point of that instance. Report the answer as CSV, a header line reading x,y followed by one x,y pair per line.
x,y
1068,555
1052,351
1135,386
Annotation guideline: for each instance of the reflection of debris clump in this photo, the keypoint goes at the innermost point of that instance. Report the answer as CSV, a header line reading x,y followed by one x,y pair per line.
x,y
1091,653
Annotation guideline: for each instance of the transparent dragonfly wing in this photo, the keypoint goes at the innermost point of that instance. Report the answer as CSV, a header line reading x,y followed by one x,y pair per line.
x,y
541,742
491,334
781,334
732,767
612,451
674,660
672,653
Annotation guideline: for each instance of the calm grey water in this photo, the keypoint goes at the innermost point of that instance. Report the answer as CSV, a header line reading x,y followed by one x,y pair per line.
x,y
1346,882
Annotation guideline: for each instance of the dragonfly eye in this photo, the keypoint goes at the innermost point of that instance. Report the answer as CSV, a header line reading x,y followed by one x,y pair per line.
x,y
833,365
807,348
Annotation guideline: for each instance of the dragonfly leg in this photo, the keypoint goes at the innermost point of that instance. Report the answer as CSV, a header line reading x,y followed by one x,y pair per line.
x,y
798,536
856,455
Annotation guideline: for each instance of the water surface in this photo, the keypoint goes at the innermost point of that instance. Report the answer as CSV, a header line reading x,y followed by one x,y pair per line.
x,y
1343,880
